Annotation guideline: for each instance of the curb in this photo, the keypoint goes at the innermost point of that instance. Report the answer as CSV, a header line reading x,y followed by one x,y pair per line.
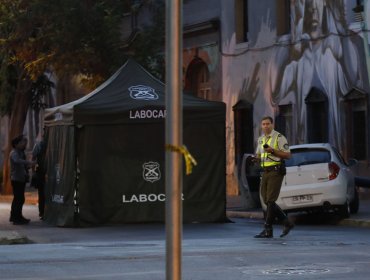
x,y
244,214
10,237
355,222
259,215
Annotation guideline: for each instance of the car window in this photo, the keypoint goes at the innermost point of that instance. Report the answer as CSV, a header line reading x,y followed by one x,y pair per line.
x,y
304,156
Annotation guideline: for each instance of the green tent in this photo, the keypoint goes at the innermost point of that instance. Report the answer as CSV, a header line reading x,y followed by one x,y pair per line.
x,y
106,158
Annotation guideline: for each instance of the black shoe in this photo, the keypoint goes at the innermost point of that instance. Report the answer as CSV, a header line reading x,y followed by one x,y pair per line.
x,y
21,222
11,219
266,233
25,220
287,227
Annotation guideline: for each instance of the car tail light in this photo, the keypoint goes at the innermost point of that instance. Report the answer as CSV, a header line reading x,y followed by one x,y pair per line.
x,y
333,170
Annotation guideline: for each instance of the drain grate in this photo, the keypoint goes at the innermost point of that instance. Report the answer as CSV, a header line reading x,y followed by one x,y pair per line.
x,y
296,271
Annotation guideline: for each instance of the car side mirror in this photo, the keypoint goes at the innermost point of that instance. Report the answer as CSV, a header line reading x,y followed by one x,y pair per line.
x,y
352,162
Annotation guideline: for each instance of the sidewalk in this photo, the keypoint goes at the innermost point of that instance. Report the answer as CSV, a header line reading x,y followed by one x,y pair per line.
x,y
234,209
7,236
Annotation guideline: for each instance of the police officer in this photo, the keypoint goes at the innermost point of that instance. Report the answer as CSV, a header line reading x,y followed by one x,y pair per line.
x,y
271,151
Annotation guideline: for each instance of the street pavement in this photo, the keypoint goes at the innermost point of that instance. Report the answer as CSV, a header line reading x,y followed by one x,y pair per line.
x,y
12,234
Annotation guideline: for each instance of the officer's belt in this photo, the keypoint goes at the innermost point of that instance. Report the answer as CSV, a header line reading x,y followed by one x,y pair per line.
x,y
271,168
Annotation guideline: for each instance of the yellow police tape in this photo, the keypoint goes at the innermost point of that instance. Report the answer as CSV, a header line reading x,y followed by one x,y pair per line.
x,y
189,159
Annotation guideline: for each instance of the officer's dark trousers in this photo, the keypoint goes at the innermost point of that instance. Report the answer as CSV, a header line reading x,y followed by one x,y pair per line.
x,y
270,190
270,186
18,200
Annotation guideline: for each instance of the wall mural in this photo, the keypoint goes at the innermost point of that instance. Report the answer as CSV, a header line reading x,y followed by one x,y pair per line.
x,y
320,53
330,63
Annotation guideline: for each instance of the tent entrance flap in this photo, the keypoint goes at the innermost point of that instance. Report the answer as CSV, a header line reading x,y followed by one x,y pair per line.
x,y
61,175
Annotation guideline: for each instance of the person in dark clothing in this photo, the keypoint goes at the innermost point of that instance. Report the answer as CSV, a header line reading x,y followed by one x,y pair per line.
x,y
38,176
18,175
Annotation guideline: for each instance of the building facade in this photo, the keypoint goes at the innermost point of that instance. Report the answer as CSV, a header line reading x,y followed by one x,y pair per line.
x,y
304,62
299,61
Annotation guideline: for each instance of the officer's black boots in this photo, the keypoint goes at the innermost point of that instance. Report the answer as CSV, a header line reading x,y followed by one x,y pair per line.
x,y
266,233
272,211
288,225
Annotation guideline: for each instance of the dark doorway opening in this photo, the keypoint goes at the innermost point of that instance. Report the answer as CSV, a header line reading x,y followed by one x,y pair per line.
x,y
359,135
284,122
317,116
356,125
243,130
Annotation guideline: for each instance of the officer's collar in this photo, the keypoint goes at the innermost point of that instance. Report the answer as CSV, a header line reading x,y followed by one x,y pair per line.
x,y
269,135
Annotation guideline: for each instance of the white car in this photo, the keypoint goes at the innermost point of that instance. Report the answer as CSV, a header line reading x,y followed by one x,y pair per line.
x,y
318,178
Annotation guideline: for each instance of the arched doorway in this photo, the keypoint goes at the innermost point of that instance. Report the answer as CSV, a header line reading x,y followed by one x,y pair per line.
x,y
197,79
317,116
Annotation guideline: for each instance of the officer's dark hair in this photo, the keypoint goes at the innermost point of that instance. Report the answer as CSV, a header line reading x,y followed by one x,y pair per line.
x,y
268,118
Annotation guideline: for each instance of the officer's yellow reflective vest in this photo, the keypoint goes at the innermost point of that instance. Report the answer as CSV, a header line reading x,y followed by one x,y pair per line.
x,y
268,159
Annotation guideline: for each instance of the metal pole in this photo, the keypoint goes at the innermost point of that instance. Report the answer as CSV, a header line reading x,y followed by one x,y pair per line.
x,y
365,26
173,138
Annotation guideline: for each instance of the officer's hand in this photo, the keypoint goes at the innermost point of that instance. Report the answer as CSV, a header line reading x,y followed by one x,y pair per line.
x,y
268,149
252,159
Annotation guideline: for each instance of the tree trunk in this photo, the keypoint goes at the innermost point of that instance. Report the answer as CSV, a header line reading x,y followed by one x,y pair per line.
x,y
16,126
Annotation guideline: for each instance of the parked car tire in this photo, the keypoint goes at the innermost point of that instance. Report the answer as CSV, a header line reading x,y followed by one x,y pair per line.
x,y
344,210
355,203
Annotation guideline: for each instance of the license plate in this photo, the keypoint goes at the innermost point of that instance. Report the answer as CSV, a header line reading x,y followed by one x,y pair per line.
x,y
302,198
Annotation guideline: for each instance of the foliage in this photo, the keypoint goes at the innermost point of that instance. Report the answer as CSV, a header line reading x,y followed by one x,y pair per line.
x,y
70,36
149,43
66,38
40,88
7,87
75,37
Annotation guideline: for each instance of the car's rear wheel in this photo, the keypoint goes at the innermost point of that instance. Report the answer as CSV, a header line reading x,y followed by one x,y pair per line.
x,y
355,203
344,210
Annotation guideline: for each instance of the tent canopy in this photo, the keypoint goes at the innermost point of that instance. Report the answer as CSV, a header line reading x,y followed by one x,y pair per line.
x,y
118,100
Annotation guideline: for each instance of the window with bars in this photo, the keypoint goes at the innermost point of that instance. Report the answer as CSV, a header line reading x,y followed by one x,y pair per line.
x,y
204,88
